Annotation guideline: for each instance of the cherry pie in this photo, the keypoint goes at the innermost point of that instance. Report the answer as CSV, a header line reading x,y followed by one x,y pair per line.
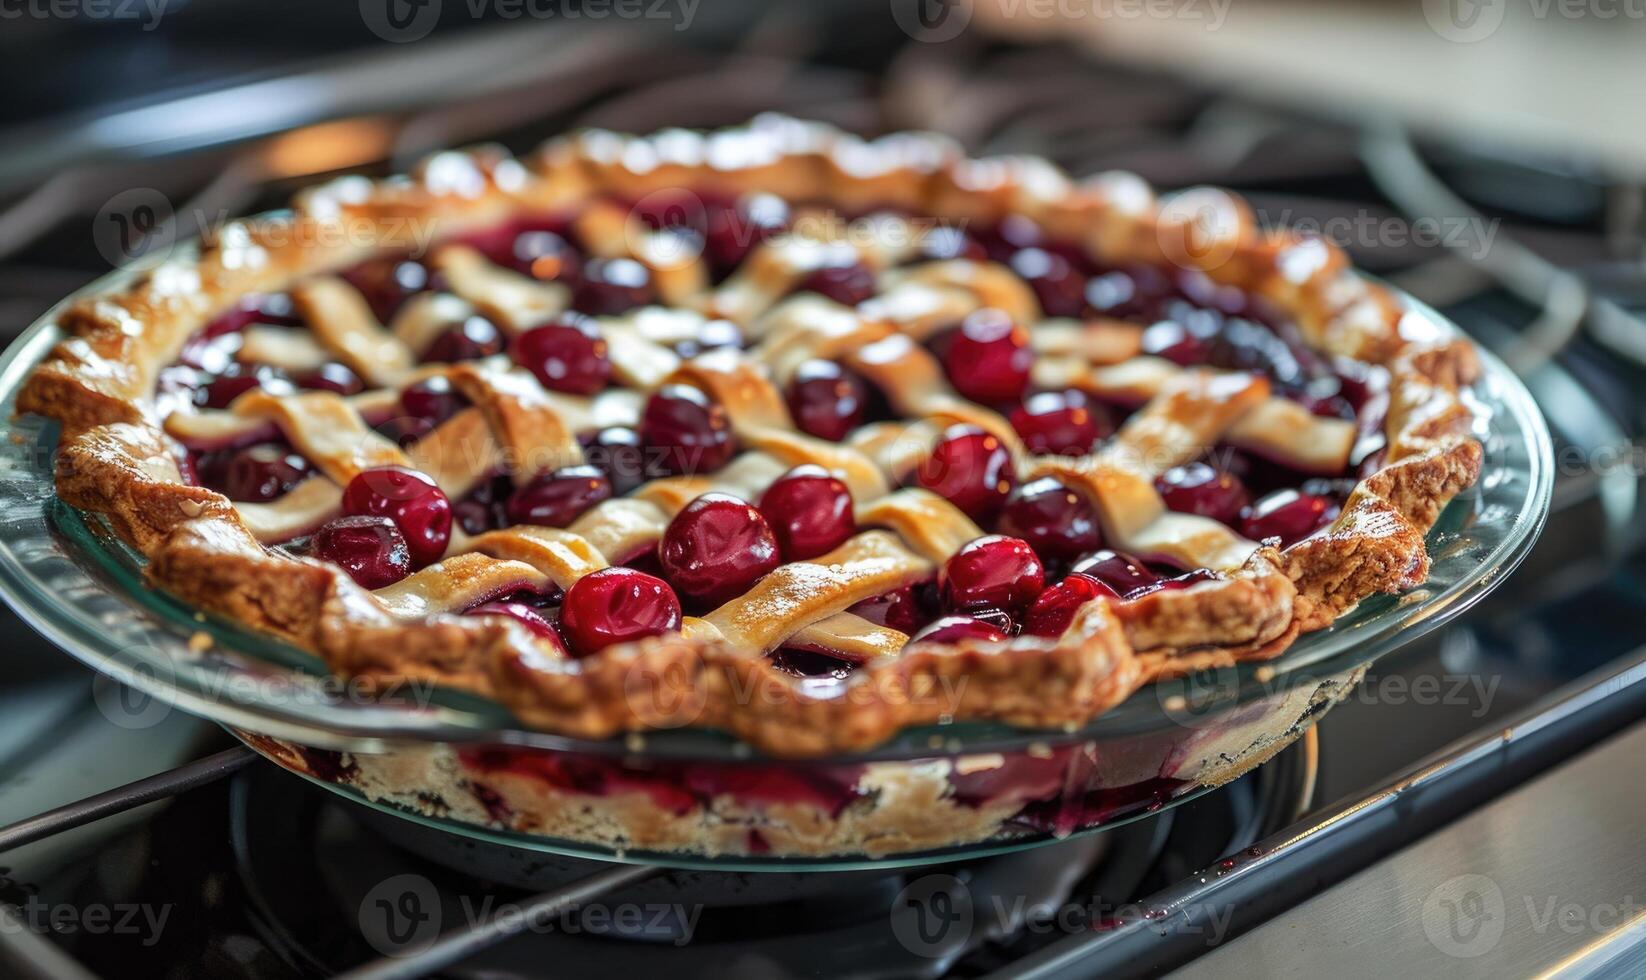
x,y
772,430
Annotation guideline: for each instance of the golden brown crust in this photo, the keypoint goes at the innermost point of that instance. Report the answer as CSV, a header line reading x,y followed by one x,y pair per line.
x,y
99,384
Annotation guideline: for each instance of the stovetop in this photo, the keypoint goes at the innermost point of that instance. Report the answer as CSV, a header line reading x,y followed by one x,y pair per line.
x,y
262,875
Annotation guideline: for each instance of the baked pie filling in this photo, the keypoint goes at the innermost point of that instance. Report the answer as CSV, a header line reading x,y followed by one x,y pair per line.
x,y
771,430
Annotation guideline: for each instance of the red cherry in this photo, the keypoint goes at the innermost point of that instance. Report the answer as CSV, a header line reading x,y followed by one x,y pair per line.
x,y
957,629
558,498
1198,488
1059,286
370,549
716,548
826,400
1175,343
610,287
474,338
619,454
483,509
1288,515
1056,522
733,231
1052,613
988,358
333,377
258,474
387,283
524,615
238,379
810,511
1061,423
848,284
418,507
617,605
432,401
971,469
683,431
546,256
993,571
567,355
1120,572
902,609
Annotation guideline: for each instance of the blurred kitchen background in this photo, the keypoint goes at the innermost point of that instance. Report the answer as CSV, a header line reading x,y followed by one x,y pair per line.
x,y
1489,157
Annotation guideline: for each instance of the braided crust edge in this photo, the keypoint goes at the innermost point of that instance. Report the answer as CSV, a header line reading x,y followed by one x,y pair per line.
x,y
115,460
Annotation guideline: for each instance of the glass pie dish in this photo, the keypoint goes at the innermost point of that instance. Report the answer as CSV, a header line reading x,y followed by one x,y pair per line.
x,y
465,764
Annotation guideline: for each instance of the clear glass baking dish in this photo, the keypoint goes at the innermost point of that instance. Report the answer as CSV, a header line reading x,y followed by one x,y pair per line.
x,y
69,577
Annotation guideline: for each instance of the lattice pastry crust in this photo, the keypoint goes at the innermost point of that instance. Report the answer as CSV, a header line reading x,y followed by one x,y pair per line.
x,y
120,447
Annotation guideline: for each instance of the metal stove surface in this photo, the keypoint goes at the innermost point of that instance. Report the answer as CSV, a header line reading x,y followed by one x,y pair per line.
x,y
253,896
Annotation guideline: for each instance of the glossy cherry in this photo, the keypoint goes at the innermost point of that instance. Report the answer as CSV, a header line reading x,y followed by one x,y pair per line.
x,y
567,355
617,605
370,549
958,629
715,548
609,287
733,230
1054,610
332,376
258,474
971,469
1056,522
418,507
431,402
484,508
1061,423
525,615
684,431
1199,488
557,498
988,358
545,255
1120,572
848,284
1288,515
994,571
810,511
1175,343
826,400
1058,285
474,338
905,610
387,283
238,379
619,454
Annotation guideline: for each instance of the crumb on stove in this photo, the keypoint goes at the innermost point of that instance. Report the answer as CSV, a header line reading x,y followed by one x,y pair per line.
x,y
200,641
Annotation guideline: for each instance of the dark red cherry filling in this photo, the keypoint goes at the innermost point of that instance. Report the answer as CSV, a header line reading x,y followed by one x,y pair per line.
x,y
992,572
609,287
1288,515
545,255
847,284
1061,423
370,549
617,605
557,498
988,358
971,469
1059,524
810,663
958,629
826,400
432,400
716,548
1122,573
1054,610
906,609
1198,488
525,615
484,509
237,379
1060,287
476,337
567,355
810,512
684,431
258,474
732,231
334,377
409,498
618,453
387,283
